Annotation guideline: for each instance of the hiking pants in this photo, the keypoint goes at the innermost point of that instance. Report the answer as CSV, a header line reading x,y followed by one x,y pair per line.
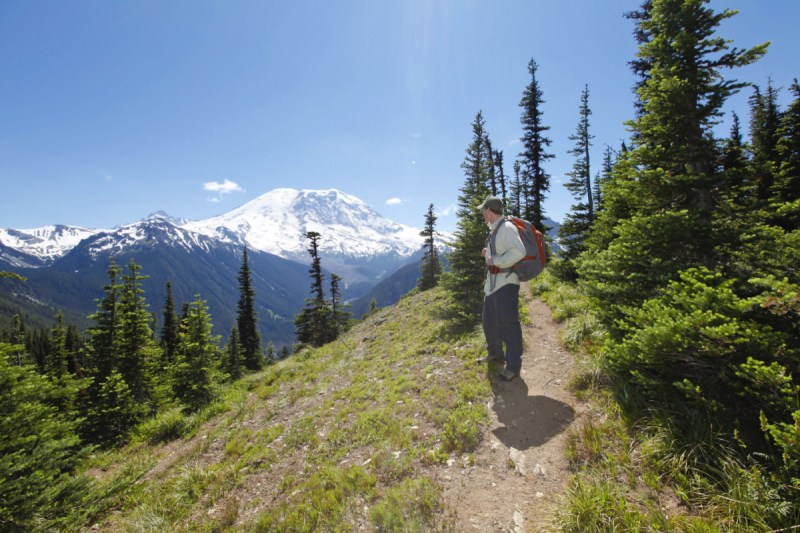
x,y
501,326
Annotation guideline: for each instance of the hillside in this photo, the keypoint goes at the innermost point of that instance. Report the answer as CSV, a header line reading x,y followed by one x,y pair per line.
x,y
394,425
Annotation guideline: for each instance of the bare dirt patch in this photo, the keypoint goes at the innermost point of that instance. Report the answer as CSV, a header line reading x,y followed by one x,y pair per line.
x,y
520,469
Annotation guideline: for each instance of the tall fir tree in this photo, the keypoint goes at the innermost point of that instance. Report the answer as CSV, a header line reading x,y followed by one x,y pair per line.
x,y
661,201
197,366
430,267
314,325
138,354
765,119
246,320
534,155
464,281
234,361
104,335
170,329
500,174
339,313
516,191
787,184
575,229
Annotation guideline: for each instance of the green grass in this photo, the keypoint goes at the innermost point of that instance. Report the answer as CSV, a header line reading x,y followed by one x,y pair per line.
x,y
338,438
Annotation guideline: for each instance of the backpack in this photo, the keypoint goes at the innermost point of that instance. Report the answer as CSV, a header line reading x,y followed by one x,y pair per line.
x,y
533,263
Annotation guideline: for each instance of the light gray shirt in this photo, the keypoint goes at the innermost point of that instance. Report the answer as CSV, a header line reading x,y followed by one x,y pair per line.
x,y
509,250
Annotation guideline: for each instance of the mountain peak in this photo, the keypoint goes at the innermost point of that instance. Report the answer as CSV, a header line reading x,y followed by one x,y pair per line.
x,y
277,222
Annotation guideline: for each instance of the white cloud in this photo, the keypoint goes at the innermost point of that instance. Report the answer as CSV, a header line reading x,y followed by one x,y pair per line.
x,y
224,187
394,201
221,189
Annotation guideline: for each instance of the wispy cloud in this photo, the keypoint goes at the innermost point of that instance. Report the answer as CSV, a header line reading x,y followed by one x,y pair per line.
x,y
394,201
221,188
447,211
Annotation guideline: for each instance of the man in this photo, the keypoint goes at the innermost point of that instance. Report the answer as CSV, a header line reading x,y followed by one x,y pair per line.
x,y
501,301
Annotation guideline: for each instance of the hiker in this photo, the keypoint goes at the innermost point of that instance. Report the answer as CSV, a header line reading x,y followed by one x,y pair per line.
x,y
501,301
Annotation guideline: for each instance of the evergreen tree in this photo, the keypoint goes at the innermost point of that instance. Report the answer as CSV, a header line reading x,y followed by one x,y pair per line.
x,y
246,320
534,156
661,201
339,313
575,229
467,267
16,338
765,121
104,336
39,448
500,175
787,185
137,353
430,268
234,360
314,324
170,329
516,192
197,363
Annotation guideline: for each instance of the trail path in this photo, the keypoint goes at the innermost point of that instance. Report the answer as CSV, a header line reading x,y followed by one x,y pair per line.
x,y
520,469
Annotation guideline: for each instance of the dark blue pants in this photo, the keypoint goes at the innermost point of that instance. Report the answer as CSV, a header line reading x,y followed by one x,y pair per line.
x,y
501,326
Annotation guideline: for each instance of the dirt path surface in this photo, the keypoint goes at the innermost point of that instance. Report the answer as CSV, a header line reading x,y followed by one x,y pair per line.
x,y
520,469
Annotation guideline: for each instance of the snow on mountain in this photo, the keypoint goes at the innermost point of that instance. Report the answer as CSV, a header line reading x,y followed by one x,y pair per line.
x,y
156,229
47,243
278,221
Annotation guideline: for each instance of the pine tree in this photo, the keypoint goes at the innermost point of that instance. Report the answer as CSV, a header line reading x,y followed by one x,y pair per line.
x,y
137,353
500,175
787,183
661,203
169,331
234,361
575,229
467,267
39,448
314,324
339,313
246,320
197,363
104,336
430,268
765,121
534,156
516,192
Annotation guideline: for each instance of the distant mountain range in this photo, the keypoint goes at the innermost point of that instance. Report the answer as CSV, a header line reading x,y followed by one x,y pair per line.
x,y
66,266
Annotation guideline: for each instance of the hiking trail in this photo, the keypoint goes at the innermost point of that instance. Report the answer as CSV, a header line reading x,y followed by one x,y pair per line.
x,y
520,469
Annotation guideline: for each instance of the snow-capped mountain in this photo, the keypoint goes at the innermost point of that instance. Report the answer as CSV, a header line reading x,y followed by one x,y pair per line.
x,y
277,223
43,245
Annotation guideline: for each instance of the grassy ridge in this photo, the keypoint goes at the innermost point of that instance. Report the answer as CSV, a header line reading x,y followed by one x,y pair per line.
x,y
338,438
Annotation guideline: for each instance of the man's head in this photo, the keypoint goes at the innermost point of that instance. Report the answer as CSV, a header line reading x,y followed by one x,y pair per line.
x,y
492,209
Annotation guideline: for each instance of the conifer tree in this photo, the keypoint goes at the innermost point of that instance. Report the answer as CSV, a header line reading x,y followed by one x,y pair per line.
x,y
234,361
39,448
787,185
500,175
765,121
170,329
314,324
137,352
246,320
575,229
534,155
430,268
104,336
661,201
197,363
467,268
339,313
516,191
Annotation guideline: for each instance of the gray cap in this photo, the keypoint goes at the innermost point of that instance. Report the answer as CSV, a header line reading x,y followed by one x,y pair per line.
x,y
494,203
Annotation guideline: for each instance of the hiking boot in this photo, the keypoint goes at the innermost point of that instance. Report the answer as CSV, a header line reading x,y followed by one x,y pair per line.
x,y
507,375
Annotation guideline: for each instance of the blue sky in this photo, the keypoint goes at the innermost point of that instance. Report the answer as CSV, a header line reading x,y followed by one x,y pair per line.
x,y
112,110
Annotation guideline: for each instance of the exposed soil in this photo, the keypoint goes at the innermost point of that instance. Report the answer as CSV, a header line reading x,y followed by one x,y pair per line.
x,y
520,469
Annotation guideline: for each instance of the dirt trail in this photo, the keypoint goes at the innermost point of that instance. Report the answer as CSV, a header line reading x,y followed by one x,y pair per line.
x,y
520,469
